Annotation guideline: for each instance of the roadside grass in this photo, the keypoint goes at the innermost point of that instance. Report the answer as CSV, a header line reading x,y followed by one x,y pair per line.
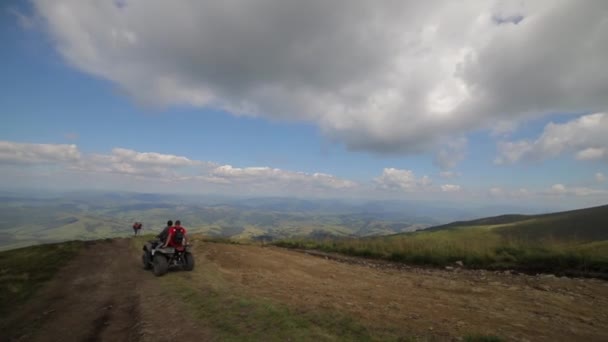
x,y
233,316
476,247
23,271
237,318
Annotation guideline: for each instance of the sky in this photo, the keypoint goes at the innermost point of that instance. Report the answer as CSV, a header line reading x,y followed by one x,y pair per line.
x,y
479,101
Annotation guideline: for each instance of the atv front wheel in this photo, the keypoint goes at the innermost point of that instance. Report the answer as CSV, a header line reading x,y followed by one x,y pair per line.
x,y
161,266
189,266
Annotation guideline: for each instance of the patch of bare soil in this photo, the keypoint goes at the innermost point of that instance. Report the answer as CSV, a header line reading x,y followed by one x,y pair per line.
x,y
101,295
417,301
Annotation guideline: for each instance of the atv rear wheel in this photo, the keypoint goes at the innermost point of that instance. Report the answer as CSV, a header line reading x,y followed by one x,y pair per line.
x,y
189,266
161,265
145,258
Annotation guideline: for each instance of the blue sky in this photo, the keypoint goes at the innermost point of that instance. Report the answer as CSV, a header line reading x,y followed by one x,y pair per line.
x,y
53,94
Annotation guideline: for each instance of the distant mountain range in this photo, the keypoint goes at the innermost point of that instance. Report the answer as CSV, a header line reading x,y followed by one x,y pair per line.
x,y
40,217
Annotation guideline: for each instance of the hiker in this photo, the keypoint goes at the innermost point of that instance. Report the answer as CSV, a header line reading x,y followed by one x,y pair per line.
x,y
136,227
177,236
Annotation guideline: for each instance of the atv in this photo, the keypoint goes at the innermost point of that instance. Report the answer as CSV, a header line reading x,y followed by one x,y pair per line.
x,y
160,260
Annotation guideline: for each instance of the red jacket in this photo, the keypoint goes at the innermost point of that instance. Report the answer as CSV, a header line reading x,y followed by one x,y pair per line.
x,y
174,233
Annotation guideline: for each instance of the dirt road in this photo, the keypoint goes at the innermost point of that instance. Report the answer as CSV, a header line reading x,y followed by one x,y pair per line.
x,y
104,295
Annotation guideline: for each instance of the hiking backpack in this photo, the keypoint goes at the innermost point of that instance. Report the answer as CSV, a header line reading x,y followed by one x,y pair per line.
x,y
178,236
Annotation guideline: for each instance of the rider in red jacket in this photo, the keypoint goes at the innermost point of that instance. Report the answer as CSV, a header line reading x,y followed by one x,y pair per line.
x,y
177,236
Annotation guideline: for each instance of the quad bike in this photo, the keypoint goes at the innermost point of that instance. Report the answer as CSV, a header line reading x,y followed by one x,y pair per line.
x,y
160,260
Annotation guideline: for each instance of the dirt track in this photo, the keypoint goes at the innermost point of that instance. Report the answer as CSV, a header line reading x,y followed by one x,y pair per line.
x,y
104,295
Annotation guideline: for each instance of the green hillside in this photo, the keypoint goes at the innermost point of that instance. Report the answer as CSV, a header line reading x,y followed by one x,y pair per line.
x,y
572,242
588,224
31,220
25,270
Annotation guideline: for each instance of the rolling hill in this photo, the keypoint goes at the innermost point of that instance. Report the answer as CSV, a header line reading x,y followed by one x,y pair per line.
x,y
571,242
588,224
52,217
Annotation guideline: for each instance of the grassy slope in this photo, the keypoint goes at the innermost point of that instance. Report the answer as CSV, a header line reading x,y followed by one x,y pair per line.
x,y
231,315
570,242
25,270
583,224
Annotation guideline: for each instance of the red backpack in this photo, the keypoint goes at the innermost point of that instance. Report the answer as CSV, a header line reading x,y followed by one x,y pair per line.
x,y
178,236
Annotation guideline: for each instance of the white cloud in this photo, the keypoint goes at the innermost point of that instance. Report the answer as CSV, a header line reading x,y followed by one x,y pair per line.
x,y
226,174
12,152
450,188
586,136
24,21
562,190
396,179
166,167
449,174
558,188
511,152
496,192
451,154
383,76
521,193
600,178
556,191
592,153
153,158
145,171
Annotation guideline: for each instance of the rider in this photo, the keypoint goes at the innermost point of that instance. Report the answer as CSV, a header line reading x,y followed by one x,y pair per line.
x,y
176,236
162,237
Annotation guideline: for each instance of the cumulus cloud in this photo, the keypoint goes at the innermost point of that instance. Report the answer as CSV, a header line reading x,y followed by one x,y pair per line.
x,y
226,174
449,174
405,180
592,153
167,168
143,164
556,191
586,137
562,190
152,158
12,152
558,188
24,21
496,192
451,154
450,188
517,194
383,76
